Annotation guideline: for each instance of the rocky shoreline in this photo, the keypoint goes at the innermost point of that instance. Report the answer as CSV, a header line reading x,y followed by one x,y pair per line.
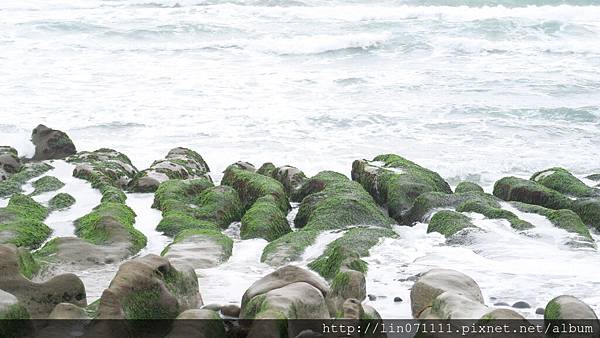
x,y
196,211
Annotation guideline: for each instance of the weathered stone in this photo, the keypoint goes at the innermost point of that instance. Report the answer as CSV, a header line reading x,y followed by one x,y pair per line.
x,y
51,144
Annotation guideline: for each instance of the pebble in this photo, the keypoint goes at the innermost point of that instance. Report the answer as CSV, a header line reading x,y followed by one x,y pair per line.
x,y
397,299
372,297
231,310
539,311
501,304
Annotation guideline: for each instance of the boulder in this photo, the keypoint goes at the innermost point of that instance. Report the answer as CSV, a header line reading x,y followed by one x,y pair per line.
x,y
46,184
465,186
66,251
347,284
51,144
588,210
288,248
108,170
149,288
281,277
267,169
180,163
447,222
61,201
199,248
199,324
251,186
568,307
111,224
352,309
530,192
21,222
453,305
435,282
264,220
332,201
346,251
470,201
220,204
38,298
563,181
10,163
395,182
291,177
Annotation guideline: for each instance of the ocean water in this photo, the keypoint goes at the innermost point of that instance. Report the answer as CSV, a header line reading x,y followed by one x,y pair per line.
x,y
474,89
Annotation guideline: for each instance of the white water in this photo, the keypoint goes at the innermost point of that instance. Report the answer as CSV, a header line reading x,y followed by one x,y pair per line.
x,y
146,221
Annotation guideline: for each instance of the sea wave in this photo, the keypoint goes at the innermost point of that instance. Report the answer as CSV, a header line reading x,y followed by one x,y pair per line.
x,y
320,43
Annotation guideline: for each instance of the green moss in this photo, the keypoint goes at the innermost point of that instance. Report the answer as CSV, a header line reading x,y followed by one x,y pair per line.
x,y
30,170
178,195
552,311
27,263
561,180
61,201
426,203
563,218
251,186
267,169
14,312
463,187
112,194
22,218
588,210
92,309
492,212
174,222
289,247
98,226
448,222
216,236
45,254
46,184
255,306
146,304
264,220
397,183
317,183
526,191
339,284
181,284
347,250
220,204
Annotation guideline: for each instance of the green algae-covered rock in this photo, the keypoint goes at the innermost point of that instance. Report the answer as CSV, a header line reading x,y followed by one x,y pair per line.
x,y
288,248
588,210
61,201
264,220
46,184
104,168
21,222
448,222
251,186
199,248
396,182
219,204
111,224
346,251
562,218
338,203
561,180
13,184
531,192
468,187
291,177
568,307
180,163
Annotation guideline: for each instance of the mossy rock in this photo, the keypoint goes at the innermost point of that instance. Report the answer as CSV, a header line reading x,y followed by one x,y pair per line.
x,y
563,218
317,183
530,192
221,205
491,211
563,181
104,169
251,186
465,186
593,177
569,308
588,210
288,248
21,222
428,202
267,169
15,182
448,222
180,195
174,222
61,201
346,251
264,220
395,182
338,204
46,184
110,223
